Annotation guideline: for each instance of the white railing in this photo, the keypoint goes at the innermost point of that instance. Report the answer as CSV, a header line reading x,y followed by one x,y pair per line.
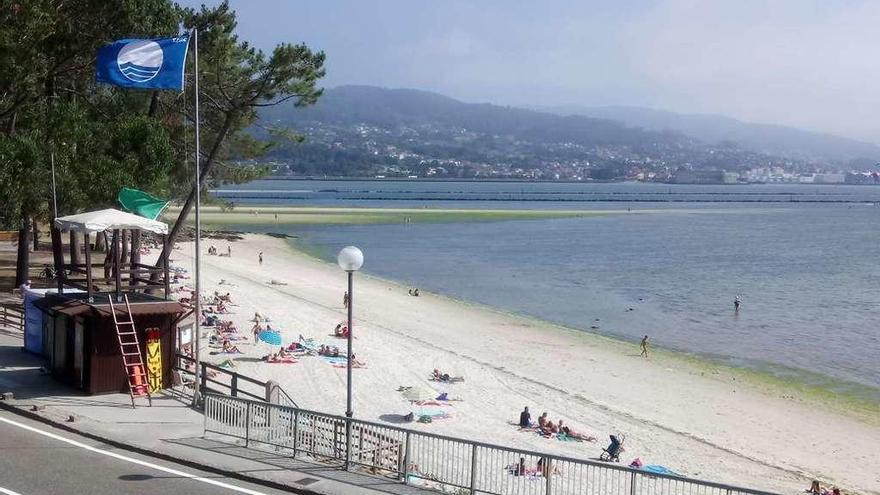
x,y
447,464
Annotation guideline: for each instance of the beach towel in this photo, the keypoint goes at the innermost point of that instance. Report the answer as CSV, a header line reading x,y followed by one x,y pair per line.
x,y
283,361
657,469
432,412
217,353
335,360
566,438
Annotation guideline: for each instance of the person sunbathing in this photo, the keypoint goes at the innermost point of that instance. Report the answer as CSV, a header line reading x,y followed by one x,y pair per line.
x,y
229,348
542,420
282,353
330,351
341,330
579,436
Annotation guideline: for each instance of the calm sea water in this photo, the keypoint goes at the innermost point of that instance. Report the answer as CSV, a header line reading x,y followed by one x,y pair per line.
x,y
808,272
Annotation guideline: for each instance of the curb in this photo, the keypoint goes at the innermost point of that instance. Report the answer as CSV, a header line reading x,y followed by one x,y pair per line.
x,y
156,455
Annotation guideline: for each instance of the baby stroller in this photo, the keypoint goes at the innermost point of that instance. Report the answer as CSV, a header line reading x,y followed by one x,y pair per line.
x,y
612,452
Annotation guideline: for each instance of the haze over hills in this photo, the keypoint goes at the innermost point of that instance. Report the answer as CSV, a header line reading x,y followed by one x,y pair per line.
x,y
765,138
364,130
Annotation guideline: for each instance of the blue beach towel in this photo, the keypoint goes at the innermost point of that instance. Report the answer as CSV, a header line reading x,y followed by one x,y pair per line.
x,y
657,469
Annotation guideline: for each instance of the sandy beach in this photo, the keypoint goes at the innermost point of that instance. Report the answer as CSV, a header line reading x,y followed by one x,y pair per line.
x,y
697,419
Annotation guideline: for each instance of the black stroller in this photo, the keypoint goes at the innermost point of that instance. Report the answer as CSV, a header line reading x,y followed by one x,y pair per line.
x,y
612,452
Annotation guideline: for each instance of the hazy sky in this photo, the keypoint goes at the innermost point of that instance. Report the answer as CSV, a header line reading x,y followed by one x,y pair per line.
x,y
808,63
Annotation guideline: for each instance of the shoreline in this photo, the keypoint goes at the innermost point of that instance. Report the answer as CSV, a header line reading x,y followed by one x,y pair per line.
x,y
861,406
703,421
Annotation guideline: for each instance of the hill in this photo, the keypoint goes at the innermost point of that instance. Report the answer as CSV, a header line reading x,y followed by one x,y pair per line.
x,y
363,130
764,138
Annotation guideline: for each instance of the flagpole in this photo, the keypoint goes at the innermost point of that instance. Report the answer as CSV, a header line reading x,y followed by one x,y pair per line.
x,y
197,268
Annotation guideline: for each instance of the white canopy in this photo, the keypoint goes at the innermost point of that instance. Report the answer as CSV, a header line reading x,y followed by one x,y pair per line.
x,y
109,219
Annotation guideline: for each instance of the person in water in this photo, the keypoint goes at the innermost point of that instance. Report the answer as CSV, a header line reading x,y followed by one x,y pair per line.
x,y
737,302
644,346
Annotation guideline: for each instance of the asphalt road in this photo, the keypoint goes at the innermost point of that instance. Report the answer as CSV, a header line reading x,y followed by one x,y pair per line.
x,y
37,459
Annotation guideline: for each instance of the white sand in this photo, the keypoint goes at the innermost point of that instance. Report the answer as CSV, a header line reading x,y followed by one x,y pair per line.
x,y
694,419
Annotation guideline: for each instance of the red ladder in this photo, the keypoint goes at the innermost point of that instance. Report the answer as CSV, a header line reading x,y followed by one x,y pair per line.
x,y
130,349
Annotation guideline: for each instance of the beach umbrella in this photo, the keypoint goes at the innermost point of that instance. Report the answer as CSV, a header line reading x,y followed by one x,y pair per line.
x,y
418,393
270,337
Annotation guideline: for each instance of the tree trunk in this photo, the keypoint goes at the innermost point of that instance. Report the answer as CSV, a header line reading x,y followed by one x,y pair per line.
x,y
108,259
135,251
100,241
191,199
23,260
154,104
74,248
57,253
10,130
35,232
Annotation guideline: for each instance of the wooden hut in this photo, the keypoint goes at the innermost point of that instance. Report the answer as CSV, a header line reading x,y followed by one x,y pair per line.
x,y
82,341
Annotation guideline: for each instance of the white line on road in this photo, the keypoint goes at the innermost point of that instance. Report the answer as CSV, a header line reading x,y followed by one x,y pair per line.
x,y
8,492
127,459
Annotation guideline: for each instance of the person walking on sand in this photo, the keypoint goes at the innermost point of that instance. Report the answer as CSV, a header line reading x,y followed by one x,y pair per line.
x,y
644,346
229,250
261,258
345,300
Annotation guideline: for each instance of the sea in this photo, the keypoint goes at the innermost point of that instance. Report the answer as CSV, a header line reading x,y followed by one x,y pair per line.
x,y
804,259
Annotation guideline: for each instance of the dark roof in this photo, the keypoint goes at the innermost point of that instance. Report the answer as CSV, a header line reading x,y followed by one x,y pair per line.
x,y
77,303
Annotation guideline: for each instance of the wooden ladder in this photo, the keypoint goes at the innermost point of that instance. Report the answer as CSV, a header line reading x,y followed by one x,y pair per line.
x,y
130,348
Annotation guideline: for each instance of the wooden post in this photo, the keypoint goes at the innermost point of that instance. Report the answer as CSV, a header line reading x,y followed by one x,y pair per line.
x,y
165,253
74,248
124,256
135,250
117,273
88,266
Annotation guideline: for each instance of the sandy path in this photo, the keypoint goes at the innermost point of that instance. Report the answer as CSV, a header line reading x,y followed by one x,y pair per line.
x,y
698,421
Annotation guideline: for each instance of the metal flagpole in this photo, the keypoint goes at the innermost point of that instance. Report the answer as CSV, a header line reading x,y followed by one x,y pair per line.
x,y
198,294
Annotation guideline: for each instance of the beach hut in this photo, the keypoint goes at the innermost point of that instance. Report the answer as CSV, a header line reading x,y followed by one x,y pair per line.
x,y
81,339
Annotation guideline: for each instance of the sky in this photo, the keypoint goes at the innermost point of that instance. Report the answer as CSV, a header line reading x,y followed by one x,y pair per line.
x,y
813,64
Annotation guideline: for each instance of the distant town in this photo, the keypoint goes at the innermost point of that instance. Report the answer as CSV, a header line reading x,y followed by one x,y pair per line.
x,y
377,133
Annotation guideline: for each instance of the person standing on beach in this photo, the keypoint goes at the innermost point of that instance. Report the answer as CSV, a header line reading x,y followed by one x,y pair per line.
x,y
345,300
644,346
261,258
229,250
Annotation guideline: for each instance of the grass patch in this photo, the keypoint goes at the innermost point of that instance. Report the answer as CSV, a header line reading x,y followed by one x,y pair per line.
x,y
269,215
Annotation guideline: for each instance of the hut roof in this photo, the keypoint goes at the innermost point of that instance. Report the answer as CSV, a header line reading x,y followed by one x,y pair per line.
x,y
109,219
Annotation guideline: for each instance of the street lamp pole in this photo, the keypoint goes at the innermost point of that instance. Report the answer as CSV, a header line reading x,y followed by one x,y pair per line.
x,y
350,259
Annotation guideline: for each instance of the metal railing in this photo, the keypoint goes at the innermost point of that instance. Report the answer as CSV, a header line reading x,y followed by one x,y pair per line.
x,y
12,316
447,464
219,380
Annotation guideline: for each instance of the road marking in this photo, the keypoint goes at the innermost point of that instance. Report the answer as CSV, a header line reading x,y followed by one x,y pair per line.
x,y
126,459
8,492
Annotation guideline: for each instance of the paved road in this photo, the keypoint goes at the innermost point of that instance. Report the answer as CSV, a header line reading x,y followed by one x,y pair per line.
x,y
37,459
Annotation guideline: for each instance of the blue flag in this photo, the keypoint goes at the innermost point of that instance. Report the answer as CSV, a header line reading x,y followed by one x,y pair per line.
x,y
145,64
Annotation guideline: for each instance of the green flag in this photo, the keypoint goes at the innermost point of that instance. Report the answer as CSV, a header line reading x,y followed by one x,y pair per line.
x,y
141,203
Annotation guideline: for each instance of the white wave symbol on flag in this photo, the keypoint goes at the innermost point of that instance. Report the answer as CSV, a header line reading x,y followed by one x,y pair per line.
x,y
138,73
140,61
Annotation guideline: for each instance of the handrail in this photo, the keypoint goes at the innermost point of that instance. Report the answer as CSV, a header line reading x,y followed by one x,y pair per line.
x,y
214,401
235,379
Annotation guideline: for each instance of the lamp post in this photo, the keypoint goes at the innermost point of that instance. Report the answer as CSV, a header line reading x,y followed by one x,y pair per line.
x,y
350,259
